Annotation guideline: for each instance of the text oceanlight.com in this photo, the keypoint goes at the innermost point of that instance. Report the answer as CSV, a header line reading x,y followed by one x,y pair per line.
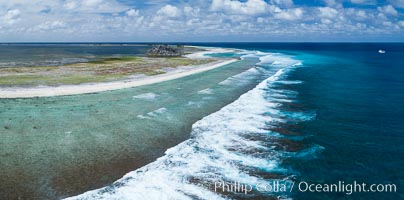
x,y
303,186
347,188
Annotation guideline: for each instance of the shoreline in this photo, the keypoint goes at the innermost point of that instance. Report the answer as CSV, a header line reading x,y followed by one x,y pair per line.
x,y
88,88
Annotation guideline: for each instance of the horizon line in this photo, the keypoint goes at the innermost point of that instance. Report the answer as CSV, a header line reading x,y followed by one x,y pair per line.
x,y
179,42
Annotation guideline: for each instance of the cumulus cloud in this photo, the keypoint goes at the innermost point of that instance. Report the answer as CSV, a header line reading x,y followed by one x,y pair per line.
x,y
70,5
112,20
169,11
361,15
191,12
250,7
289,14
51,25
388,10
94,5
327,12
132,12
12,16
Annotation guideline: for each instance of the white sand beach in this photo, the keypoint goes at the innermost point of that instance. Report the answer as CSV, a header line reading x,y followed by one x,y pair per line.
x,y
138,80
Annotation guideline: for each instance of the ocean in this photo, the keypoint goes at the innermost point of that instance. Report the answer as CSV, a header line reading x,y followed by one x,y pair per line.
x,y
284,115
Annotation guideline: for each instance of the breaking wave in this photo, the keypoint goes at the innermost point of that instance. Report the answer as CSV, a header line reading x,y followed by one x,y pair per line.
x,y
243,142
146,96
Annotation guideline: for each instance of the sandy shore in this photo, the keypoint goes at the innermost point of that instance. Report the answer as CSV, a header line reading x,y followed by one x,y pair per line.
x,y
179,72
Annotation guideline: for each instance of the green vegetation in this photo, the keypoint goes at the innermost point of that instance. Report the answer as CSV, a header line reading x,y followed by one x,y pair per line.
x,y
30,80
153,73
115,59
106,69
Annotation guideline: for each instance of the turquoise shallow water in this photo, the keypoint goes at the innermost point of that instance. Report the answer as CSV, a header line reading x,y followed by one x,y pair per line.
x,y
60,146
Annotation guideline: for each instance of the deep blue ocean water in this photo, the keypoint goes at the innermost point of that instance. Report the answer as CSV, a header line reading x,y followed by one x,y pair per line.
x,y
358,97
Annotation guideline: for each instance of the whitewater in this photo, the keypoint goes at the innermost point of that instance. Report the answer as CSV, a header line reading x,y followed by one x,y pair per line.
x,y
234,144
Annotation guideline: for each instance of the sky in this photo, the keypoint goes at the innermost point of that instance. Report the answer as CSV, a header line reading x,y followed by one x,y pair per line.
x,y
202,21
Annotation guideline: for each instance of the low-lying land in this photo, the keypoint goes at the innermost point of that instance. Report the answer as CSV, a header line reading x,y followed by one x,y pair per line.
x,y
105,74
103,70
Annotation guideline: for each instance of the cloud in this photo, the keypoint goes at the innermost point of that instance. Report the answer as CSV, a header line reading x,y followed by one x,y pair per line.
x,y
215,20
70,5
191,12
132,12
364,2
397,3
169,11
289,14
250,7
94,6
361,14
284,3
327,12
91,3
388,10
333,3
12,16
51,25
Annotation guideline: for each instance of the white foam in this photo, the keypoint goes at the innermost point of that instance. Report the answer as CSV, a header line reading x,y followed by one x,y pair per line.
x,y
241,78
154,113
157,112
142,117
206,91
275,59
146,96
213,153
290,82
209,50
196,104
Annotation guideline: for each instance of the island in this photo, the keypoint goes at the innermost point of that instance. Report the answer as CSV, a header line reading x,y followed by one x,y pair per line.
x,y
166,51
160,63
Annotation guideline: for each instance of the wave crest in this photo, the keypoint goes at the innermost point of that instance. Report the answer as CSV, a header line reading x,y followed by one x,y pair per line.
x,y
235,143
